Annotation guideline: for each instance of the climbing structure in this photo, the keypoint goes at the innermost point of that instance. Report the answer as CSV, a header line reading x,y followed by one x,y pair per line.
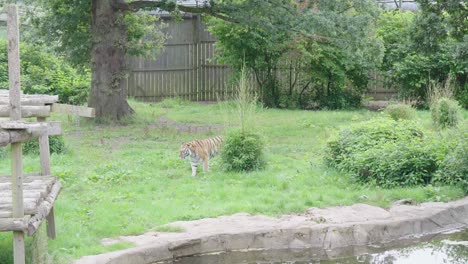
x,y
25,200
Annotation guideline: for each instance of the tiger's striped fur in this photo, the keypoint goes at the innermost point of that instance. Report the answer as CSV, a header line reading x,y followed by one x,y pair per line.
x,y
200,151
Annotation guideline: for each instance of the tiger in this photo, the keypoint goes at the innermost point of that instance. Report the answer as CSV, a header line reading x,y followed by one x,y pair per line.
x,y
201,151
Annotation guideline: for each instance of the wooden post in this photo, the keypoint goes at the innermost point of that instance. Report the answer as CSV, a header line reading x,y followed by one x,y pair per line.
x,y
15,114
44,152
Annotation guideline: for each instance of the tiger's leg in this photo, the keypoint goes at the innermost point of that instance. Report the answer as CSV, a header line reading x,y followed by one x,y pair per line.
x,y
205,165
194,168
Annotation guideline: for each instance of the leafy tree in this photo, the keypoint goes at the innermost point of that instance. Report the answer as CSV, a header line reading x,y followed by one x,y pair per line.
x,y
99,32
330,42
431,47
258,42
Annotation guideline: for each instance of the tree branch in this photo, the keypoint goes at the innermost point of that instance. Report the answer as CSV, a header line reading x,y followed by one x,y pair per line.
x,y
171,6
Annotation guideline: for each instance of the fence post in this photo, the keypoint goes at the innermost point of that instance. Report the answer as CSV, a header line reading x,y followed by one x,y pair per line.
x,y
15,114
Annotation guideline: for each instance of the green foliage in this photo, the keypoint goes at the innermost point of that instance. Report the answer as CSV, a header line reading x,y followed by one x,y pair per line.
x,y
392,164
366,135
242,152
385,152
145,36
454,168
445,113
394,29
330,46
400,111
256,43
45,73
56,145
426,47
65,26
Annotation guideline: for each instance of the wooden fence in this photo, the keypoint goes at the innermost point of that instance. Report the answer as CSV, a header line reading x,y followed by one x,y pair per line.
x,y
188,71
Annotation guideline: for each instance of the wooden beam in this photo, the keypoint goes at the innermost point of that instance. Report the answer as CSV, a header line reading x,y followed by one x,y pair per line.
x,y
31,100
16,136
74,110
44,209
23,135
15,114
14,224
21,125
27,111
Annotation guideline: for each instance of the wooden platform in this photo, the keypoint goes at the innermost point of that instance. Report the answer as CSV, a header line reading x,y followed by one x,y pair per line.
x,y
39,195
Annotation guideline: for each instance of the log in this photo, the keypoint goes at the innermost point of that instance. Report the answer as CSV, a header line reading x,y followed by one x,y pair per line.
x,y
20,125
31,100
6,210
44,209
14,224
27,111
27,195
33,187
16,136
29,177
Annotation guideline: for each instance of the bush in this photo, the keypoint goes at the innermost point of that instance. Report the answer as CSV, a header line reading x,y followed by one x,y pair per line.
x,y
242,152
386,152
395,164
45,73
56,144
366,135
445,113
454,168
399,111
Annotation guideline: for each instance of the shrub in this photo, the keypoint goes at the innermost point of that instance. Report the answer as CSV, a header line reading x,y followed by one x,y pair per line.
x,y
454,168
242,152
363,136
56,144
399,111
386,152
445,113
395,164
45,73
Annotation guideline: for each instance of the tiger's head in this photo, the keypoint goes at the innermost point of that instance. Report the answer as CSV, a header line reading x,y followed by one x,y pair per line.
x,y
185,150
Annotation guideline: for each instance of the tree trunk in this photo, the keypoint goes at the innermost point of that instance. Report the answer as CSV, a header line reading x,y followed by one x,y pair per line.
x,y
109,39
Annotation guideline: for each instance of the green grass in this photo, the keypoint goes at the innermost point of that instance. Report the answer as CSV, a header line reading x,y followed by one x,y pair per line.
x,y
128,179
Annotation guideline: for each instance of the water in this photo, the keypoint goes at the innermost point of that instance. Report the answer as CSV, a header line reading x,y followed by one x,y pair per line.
x,y
441,249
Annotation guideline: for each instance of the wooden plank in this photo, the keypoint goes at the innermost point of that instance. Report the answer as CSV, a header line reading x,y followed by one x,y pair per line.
x,y
74,110
27,111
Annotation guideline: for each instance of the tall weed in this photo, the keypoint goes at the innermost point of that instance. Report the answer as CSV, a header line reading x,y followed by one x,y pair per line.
x,y
243,148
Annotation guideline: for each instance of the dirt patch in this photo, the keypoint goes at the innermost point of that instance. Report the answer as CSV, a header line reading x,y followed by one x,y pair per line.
x,y
192,128
330,231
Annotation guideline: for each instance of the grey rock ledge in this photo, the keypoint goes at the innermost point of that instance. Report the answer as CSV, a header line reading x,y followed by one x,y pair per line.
x,y
330,231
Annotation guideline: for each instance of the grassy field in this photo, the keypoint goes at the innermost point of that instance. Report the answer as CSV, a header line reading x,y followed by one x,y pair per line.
x,y
128,179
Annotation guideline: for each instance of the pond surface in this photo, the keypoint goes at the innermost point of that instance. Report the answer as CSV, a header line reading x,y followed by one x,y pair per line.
x,y
441,249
